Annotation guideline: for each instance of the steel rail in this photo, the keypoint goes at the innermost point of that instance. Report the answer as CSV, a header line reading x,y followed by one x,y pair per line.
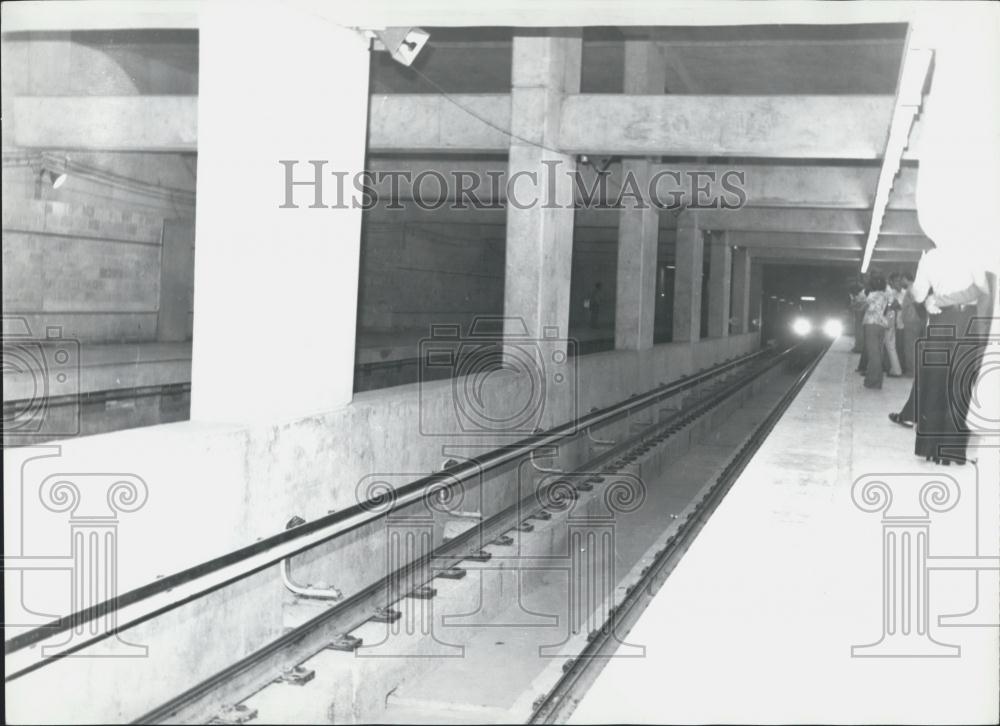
x,y
241,679
148,601
580,673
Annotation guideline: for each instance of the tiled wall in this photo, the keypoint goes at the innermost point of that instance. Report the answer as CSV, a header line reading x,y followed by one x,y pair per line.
x,y
415,274
93,271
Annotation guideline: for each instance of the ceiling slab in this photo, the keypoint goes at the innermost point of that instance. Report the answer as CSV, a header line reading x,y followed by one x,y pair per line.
x,y
851,242
107,123
798,127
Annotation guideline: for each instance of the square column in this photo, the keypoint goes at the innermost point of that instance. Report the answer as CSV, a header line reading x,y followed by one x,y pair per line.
x,y
756,293
687,278
720,268
275,289
638,235
173,322
638,223
541,190
741,290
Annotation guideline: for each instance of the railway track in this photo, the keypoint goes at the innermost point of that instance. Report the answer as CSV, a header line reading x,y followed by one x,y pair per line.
x,y
305,695
558,704
550,582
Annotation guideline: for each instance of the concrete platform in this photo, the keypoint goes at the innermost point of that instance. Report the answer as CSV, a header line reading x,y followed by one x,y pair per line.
x,y
101,367
758,622
381,346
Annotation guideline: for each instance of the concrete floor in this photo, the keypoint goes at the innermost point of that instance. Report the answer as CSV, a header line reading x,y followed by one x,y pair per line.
x,y
757,623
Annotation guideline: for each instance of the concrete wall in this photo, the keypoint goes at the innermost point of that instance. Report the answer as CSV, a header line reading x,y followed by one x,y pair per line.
x,y
107,257
415,274
86,256
167,170
592,263
93,271
216,487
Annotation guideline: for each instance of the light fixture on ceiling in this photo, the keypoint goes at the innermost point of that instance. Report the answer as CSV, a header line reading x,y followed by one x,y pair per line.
x,y
403,44
597,164
56,179
51,172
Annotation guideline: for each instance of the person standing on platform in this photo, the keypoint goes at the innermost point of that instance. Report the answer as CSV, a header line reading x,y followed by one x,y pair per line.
x,y
911,324
892,357
947,360
858,310
594,305
875,324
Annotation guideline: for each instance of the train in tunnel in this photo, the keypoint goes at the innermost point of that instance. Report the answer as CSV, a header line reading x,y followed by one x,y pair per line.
x,y
475,445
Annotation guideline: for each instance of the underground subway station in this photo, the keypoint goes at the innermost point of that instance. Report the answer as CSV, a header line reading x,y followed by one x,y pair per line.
x,y
517,362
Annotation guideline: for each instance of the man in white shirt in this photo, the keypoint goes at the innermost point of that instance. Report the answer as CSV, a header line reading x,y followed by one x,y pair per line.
x,y
949,285
952,277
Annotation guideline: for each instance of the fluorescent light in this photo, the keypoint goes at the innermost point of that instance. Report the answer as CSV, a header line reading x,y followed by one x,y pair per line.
x,y
807,298
909,87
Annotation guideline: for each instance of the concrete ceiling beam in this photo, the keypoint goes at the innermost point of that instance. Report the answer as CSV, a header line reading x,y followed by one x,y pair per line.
x,y
765,185
851,242
804,127
431,122
106,123
821,221
795,256
901,229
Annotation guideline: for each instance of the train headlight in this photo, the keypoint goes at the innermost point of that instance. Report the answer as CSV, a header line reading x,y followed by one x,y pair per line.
x,y
802,327
833,328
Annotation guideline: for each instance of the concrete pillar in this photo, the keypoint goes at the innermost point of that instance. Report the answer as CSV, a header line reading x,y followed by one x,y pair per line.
x,y
173,321
276,289
720,267
540,214
755,307
741,290
638,223
635,296
687,278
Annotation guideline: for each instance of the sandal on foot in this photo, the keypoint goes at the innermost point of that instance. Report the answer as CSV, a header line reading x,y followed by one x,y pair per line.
x,y
897,419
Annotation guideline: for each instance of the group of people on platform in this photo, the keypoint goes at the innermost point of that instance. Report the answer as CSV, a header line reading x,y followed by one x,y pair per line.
x,y
926,326
888,321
